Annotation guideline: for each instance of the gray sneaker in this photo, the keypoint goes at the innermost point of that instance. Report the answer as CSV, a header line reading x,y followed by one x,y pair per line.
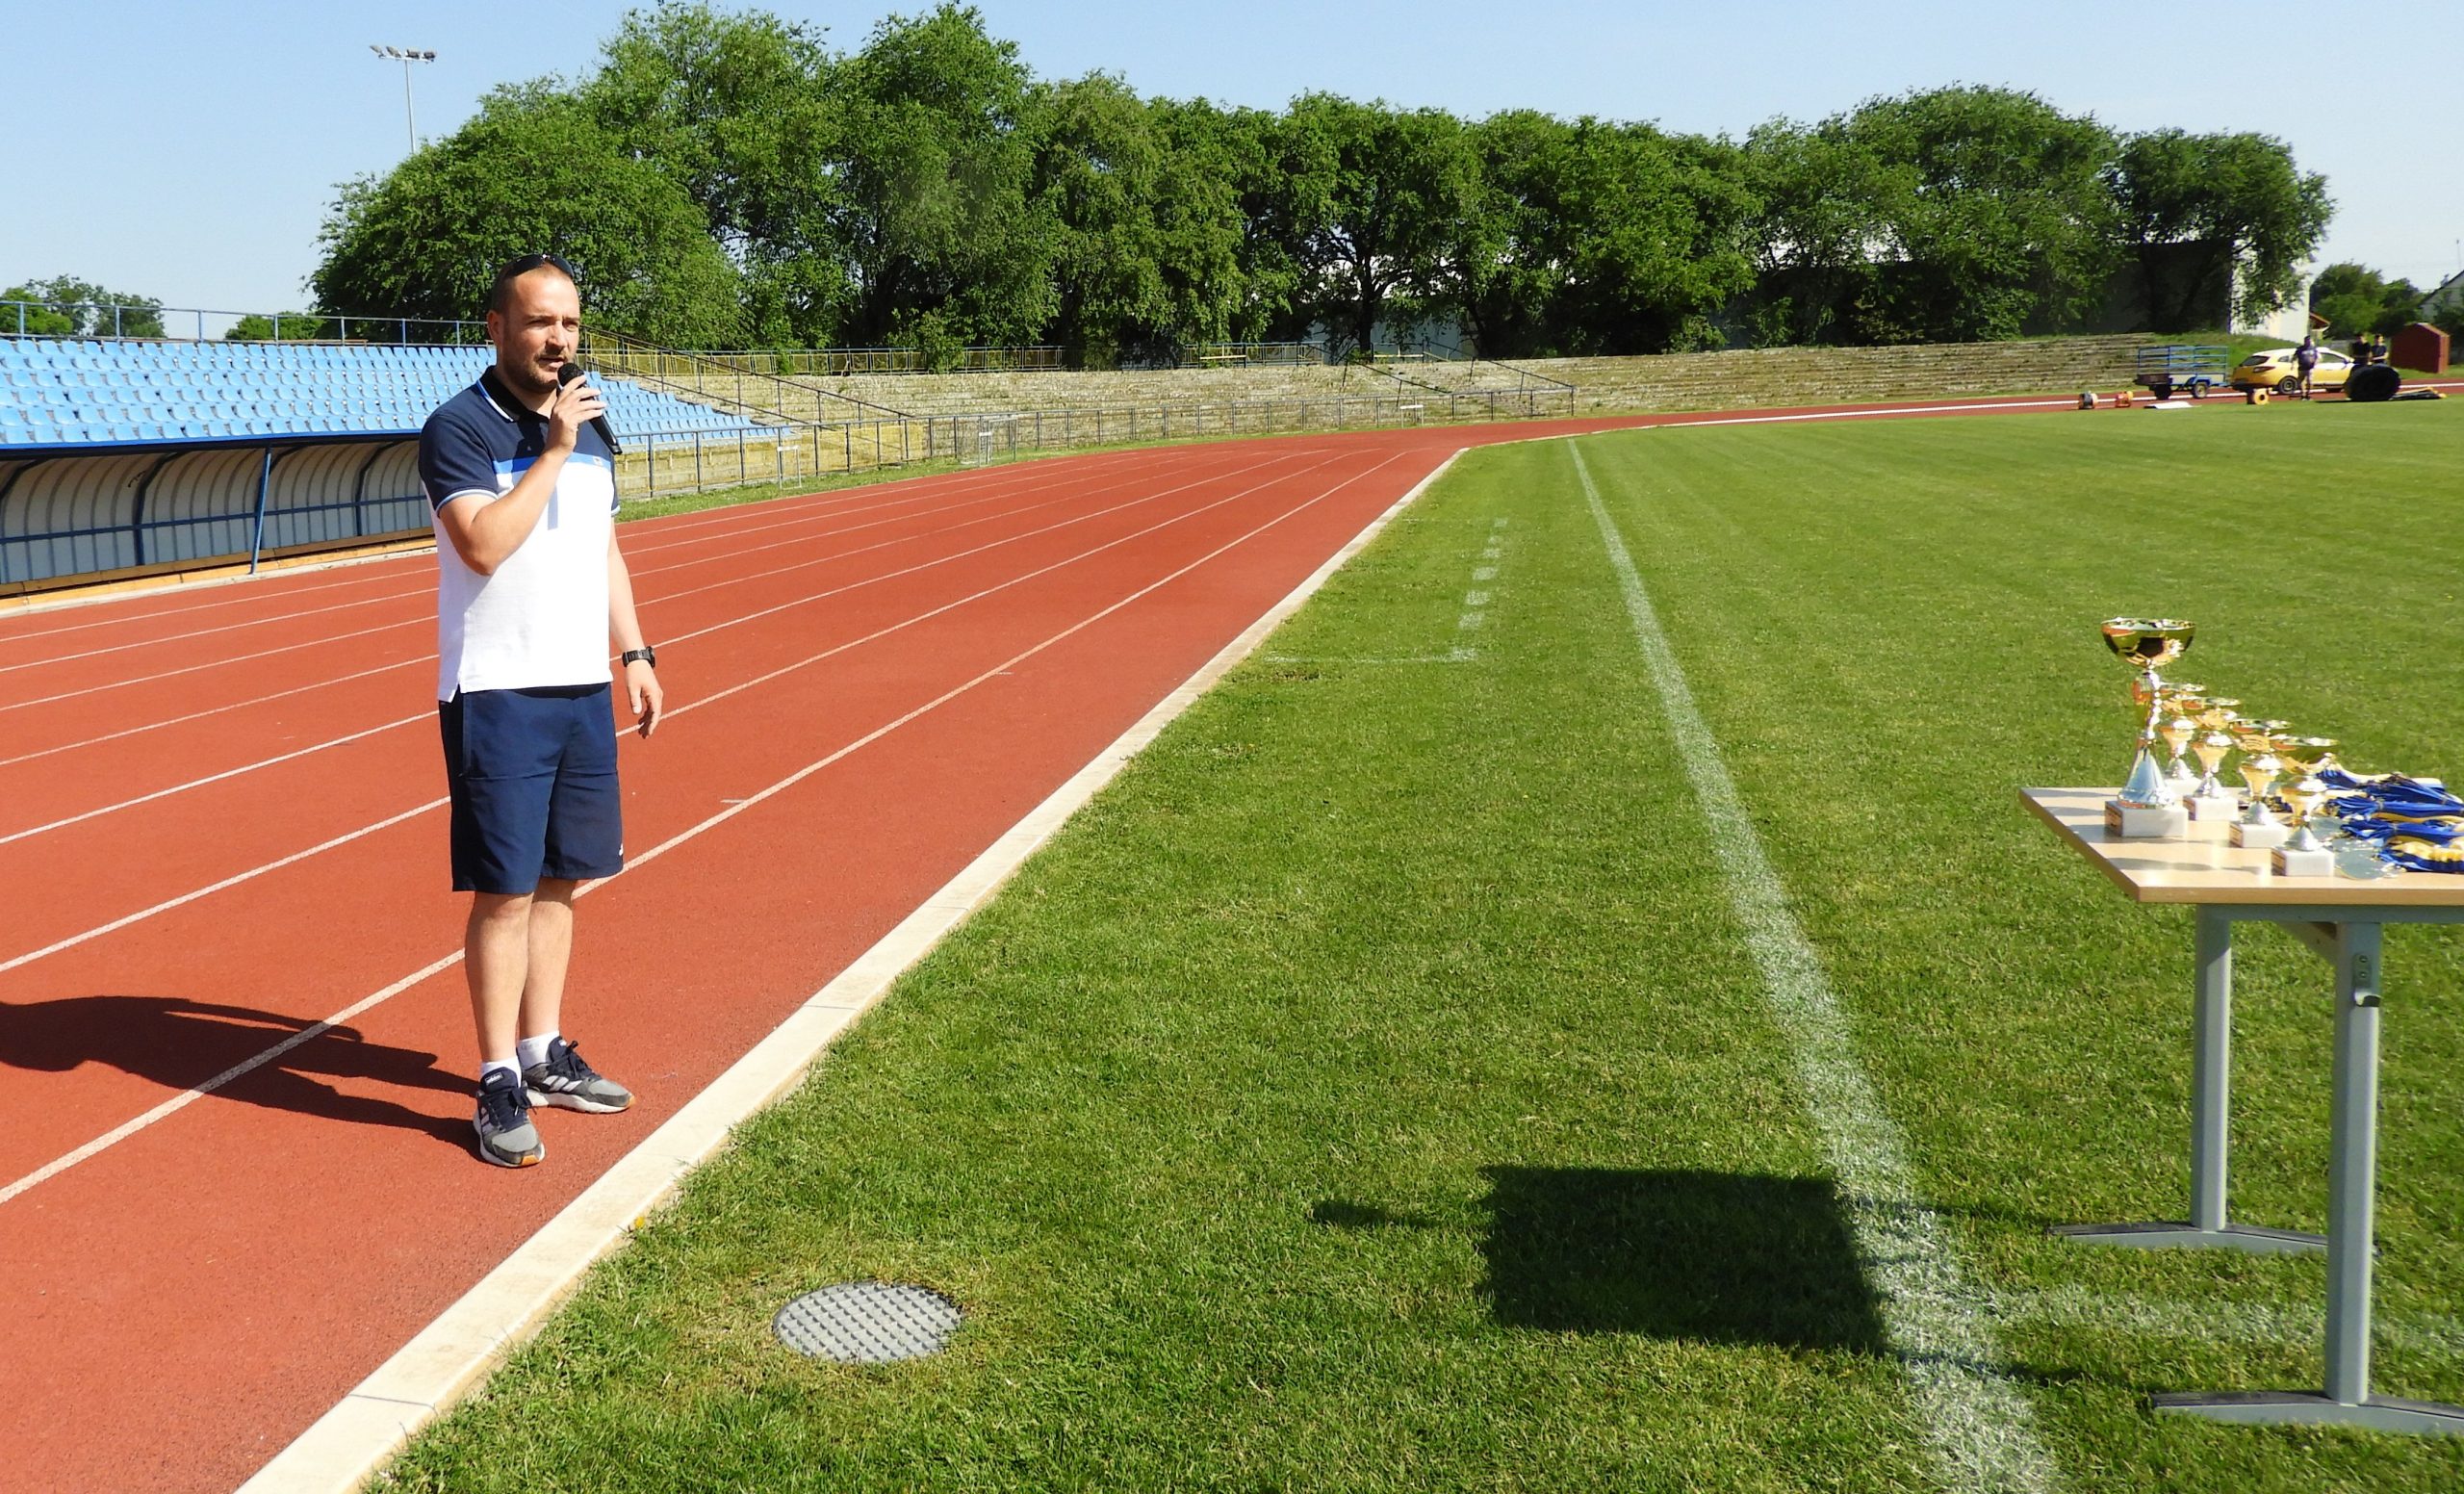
x,y
507,1136
565,1081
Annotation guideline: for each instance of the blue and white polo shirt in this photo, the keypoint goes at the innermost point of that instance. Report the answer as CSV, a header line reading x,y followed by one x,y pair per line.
x,y
542,618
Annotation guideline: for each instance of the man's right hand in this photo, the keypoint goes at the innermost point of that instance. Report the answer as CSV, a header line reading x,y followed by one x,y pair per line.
x,y
577,406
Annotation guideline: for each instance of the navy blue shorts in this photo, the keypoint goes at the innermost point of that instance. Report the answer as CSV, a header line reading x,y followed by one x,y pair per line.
x,y
533,779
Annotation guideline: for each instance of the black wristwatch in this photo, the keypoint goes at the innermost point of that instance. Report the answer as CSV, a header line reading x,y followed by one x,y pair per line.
x,y
644,655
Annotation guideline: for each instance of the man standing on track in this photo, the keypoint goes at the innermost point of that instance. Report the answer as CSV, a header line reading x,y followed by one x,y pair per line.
x,y
530,590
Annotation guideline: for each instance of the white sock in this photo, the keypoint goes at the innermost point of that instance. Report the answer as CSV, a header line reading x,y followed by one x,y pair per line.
x,y
534,1050
492,1065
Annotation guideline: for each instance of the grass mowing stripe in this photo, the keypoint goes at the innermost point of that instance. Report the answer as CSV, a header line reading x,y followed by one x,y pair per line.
x,y
1980,1428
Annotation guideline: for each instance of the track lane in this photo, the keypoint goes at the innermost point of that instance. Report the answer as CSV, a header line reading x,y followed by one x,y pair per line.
x,y
866,670
175,1214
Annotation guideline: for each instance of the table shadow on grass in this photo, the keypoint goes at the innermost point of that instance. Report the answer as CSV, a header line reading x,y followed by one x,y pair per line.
x,y
1717,1257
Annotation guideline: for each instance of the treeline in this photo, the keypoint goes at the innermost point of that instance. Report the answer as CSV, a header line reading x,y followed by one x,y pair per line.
x,y
726,179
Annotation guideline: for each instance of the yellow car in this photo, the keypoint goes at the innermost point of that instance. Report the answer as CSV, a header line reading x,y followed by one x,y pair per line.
x,y
2274,369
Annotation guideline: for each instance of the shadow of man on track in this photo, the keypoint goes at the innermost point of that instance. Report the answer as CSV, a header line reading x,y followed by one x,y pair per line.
x,y
183,1044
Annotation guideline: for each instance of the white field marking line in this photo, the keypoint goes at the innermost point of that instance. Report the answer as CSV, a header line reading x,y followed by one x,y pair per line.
x,y
236,879
246,1065
174,595
2429,1335
454,1353
232,881
211,711
1980,1427
717,695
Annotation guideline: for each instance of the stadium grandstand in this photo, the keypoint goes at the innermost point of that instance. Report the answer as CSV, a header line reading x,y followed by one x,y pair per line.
x,y
124,455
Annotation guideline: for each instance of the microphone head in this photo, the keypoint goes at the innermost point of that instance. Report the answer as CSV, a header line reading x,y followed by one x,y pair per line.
x,y
570,374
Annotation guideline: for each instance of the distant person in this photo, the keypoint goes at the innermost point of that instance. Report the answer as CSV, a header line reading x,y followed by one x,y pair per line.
x,y
2305,363
530,590
2378,349
2361,348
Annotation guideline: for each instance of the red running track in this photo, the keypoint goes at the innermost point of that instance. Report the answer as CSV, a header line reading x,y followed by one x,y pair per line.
x,y
220,826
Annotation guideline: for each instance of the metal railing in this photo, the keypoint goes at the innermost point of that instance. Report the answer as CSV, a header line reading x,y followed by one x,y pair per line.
x,y
143,321
248,528
768,397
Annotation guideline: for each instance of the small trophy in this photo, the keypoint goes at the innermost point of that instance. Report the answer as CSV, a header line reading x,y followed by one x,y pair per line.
x,y
2257,829
2305,854
2147,807
2211,802
2178,733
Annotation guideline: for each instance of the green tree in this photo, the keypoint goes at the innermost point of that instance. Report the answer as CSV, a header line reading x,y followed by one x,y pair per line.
x,y
2355,299
532,171
1377,197
1992,213
65,306
931,216
2221,210
290,326
1818,198
1144,221
736,110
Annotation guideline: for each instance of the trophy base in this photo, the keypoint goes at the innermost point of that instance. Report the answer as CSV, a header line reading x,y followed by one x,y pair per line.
x,y
2171,822
2219,807
2290,863
2259,837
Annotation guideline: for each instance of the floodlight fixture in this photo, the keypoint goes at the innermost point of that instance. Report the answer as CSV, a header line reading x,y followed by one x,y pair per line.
x,y
406,56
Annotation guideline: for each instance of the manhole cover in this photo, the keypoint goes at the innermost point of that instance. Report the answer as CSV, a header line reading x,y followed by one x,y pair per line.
x,y
867,1323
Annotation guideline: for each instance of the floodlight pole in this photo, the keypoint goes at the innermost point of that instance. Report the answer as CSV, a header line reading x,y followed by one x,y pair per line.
x,y
406,56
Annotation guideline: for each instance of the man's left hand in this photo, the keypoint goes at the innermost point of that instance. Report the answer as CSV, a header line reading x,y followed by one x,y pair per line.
x,y
641,688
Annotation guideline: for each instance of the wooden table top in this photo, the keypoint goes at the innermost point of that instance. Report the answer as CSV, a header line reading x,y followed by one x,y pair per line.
x,y
2210,870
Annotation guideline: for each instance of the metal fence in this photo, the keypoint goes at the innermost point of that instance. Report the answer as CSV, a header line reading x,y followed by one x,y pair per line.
x,y
189,323
72,519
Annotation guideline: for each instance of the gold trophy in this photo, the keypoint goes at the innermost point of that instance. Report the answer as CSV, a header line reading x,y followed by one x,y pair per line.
x,y
2178,733
2305,854
2211,801
2257,829
2147,805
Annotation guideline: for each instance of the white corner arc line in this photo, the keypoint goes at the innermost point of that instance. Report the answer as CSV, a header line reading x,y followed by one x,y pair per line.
x,y
1979,1427
451,1356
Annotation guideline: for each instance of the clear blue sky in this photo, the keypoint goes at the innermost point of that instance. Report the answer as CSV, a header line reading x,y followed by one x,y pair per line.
x,y
188,151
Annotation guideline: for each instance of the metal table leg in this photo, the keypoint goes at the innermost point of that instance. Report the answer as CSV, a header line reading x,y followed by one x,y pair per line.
x,y
2210,1130
2353,1171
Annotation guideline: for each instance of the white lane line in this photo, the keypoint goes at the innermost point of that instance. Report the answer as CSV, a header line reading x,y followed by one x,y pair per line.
x,y
267,763
1470,622
232,881
193,668
1484,573
211,778
453,1354
732,522
634,863
408,621
1475,599
210,710
772,521
1979,1425
685,709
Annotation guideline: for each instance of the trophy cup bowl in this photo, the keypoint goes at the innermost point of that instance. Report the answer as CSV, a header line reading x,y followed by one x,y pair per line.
x,y
2146,644
2309,754
2178,733
2215,713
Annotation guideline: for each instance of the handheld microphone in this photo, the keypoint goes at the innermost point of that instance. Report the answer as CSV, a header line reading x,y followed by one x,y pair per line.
x,y
571,373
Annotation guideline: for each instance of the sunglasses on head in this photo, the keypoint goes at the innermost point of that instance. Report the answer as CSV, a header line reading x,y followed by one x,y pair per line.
x,y
530,261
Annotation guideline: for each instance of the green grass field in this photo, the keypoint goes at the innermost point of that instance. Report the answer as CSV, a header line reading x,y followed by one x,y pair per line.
x,y
1374,1088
